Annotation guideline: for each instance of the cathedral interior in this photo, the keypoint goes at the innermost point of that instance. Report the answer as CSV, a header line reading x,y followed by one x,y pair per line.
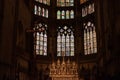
x,y
59,39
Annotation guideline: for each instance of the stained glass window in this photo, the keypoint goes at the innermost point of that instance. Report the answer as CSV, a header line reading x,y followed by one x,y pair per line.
x,y
44,1
40,11
62,2
35,9
58,2
48,2
71,14
90,43
40,39
65,41
65,14
65,3
71,2
58,14
43,12
87,9
46,13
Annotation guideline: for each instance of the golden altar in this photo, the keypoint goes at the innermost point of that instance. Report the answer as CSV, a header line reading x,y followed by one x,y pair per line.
x,y
62,70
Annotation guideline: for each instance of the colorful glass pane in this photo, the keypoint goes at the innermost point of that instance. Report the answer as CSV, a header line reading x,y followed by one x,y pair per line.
x,y
65,42
41,40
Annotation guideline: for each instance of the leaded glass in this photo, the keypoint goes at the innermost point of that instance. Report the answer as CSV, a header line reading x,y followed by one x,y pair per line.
x,y
65,41
40,38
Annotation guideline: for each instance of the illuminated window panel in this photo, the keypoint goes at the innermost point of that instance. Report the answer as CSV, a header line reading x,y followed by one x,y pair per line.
x,y
71,3
65,14
35,10
84,11
40,11
62,3
58,2
65,41
94,41
71,14
85,42
90,43
88,9
58,14
46,13
65,3
43,1
91,8
48,2
43,12
40,39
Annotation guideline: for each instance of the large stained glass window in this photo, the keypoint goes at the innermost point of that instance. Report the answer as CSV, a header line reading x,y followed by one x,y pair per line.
x,y
90,43
40,39
63,3
65,41
68,14
40,11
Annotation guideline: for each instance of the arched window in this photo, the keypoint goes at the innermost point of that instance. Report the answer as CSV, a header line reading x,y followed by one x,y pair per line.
x,y
46,11
90,43
67,14
63,14
43,12
87,9
39,10
40,39
58,14
71,14
65,41
35,10
90,40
